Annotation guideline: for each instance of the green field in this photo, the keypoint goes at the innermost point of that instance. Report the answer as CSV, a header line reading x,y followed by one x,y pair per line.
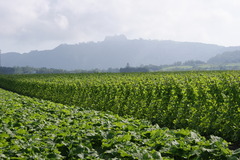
x,y
208,102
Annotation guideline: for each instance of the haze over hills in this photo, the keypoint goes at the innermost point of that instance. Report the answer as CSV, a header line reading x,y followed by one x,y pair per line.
x,y
115,52
226,58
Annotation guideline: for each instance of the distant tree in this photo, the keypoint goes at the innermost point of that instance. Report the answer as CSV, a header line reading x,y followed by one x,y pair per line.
x,y
128,65
151,67
179,63
113,70
133,69
29,70
6,70
193,63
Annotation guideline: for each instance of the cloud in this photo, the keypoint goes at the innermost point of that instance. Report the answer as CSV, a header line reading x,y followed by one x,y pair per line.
x,y
61,21
43,24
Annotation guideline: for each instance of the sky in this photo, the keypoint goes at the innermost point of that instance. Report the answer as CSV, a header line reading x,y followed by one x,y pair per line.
x,y
44,24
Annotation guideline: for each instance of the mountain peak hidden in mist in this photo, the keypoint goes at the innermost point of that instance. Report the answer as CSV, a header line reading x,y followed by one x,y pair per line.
x,y
115,52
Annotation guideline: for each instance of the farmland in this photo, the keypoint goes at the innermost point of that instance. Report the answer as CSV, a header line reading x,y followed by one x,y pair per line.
x,y
207,102
39,129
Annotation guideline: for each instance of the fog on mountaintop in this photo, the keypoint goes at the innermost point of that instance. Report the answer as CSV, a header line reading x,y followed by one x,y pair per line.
x,y
115,52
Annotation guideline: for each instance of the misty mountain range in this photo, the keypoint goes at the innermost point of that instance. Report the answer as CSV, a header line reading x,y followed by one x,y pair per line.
x,y
115,52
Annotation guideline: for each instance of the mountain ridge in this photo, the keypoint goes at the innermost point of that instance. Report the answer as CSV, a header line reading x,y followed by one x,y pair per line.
x,y
115,52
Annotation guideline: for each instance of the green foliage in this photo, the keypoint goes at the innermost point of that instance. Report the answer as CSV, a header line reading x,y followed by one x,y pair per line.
x,y
38,129
204,101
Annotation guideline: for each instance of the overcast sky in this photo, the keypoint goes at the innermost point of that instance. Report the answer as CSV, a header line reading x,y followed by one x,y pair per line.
x,y
44,24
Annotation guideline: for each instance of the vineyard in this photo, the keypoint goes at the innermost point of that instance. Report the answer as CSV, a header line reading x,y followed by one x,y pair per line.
x,y
207,102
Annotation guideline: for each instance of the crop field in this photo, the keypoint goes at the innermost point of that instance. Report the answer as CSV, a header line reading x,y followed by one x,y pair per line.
x,y
37,129
207,102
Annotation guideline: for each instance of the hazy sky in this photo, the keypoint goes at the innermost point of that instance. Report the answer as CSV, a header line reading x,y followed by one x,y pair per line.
x,y
44,24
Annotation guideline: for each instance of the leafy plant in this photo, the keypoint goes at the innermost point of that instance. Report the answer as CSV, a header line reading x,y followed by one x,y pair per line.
x,y
207,102
37,129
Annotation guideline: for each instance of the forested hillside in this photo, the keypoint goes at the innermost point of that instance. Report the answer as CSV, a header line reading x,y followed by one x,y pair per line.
x,y
114,52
